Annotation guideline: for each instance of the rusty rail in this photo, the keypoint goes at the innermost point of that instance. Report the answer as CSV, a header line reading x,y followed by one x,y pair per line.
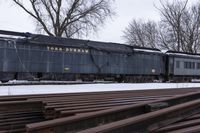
x,y
82,112
94,119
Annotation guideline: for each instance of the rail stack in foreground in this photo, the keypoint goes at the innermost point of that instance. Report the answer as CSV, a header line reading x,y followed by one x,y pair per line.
x,y
169,110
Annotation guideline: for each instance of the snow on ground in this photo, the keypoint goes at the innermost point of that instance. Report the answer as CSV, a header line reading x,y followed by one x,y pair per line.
x,y
47,89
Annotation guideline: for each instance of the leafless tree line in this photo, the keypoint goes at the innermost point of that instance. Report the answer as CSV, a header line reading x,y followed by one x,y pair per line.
x,y
178,30
142,34
67,18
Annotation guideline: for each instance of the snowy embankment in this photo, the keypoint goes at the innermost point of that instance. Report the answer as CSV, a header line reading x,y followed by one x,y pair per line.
x,y
47,89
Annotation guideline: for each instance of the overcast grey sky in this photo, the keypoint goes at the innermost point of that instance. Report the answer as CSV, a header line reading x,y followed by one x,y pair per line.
x,y
13,18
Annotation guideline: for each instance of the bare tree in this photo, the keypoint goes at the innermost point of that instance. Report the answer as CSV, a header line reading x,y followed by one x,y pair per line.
x,y
180,26
191,29
140,33
172,14
67,18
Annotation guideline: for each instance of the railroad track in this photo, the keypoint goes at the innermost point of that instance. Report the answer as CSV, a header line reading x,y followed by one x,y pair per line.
x,y
167,110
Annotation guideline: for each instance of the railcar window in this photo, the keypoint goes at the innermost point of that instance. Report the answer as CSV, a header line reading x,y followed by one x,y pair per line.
x,y
193,65
177,64
189,65
198,65
185,64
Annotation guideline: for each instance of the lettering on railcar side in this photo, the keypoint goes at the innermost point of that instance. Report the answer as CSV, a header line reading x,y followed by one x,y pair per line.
x,y
68,49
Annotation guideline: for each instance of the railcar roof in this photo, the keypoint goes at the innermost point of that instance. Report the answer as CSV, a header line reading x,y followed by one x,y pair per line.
x,y
80,43
183,54
104,46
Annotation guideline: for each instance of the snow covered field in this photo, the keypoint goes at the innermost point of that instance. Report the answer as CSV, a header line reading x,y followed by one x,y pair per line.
x,y
47,89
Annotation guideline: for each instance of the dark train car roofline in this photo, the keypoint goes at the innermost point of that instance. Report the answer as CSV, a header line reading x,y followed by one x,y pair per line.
x,y
88,41
146,49
13,33
32,39
176,53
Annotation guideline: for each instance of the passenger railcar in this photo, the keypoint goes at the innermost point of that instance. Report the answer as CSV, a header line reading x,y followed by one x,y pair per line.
x,y
42,57
38,57
182,67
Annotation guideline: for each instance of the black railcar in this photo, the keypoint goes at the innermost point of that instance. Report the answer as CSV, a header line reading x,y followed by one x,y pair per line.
x,y
51,58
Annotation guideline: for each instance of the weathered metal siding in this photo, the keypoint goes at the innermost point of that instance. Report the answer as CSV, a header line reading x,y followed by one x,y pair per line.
x,y
37,58
2,54
76,63
186,71
53,62
29,59
7,57
115,63
145,63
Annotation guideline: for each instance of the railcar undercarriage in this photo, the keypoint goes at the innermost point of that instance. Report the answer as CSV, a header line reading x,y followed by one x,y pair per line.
x,y
6,76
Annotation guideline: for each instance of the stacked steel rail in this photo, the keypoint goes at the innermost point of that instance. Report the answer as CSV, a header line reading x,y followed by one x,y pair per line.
x,y
102,112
